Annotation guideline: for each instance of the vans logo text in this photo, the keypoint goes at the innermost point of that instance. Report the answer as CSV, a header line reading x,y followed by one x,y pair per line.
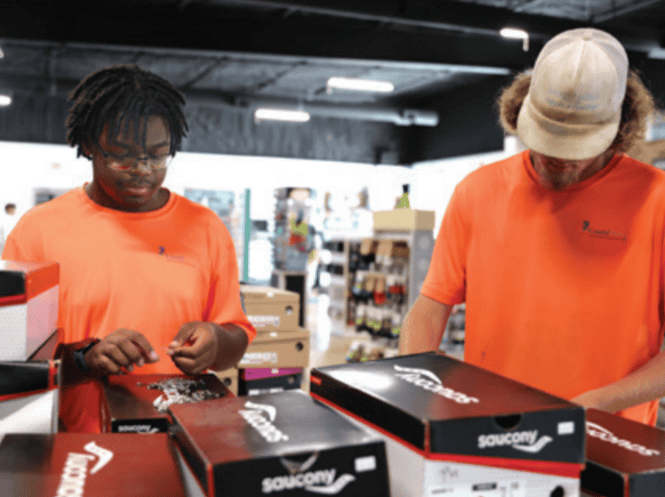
x,y
75,471
429,381
520,440
597,431
261,417
321,482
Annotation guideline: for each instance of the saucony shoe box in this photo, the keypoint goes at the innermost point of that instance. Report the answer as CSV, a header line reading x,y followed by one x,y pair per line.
x,y
28,307
453,429
137,403
89,465
283,444
271,309
624,458
277,349
29,391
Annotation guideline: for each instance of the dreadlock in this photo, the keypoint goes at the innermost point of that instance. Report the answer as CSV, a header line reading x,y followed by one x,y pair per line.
x,y
121,95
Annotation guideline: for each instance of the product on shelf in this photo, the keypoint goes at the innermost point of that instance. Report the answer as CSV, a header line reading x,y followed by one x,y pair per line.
x,y
282,444
271,309
277,349
459,429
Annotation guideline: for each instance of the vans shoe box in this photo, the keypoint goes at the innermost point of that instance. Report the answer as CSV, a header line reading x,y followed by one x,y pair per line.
x,y
271,309
283,444
277,349
453,429
29,391
137,403
89,465
28,307
266,380
624,458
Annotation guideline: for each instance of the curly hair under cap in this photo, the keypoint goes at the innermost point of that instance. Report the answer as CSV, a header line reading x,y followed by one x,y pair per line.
x,y
638,105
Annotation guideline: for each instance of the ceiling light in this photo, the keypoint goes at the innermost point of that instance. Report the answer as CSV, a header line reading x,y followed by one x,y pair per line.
x,y
266,114
518,34
5,100
360,84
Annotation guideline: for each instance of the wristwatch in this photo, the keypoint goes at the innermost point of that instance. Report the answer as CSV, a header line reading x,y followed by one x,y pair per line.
x,y
79,354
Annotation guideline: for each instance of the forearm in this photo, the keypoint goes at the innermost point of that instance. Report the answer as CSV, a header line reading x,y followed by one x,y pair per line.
x,y
232,343
645,384
423,327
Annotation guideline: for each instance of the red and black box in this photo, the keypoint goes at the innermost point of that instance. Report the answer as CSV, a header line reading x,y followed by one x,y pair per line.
x,y
624,458
268,380
89,465
454,429
284,444
131,402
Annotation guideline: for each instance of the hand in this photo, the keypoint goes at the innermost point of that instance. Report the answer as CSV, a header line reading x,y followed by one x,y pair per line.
x,y
195,347
590,399
119,351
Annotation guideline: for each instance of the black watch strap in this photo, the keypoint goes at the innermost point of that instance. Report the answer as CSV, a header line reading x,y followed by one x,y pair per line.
x,y
79,355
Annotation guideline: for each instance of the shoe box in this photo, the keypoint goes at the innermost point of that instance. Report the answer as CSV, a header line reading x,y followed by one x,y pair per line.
x,y
271,309
256,381
453,429
625,458
89,465
284,444
136,403
277,349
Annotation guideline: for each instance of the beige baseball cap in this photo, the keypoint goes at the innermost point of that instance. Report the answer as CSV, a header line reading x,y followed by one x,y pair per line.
x,y
573,108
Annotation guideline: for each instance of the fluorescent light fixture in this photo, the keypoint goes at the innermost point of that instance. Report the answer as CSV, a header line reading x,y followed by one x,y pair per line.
x,y
266,114
360,84
517,34
5,100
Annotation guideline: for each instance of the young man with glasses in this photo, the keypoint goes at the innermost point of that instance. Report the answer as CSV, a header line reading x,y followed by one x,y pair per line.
x,y
148,279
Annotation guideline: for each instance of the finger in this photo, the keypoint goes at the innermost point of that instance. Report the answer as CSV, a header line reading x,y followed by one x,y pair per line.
x,y
106,366
132,352
116,355
189,366
145,348
184,335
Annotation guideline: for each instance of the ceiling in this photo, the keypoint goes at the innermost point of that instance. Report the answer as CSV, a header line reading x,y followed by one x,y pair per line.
x,y
243,53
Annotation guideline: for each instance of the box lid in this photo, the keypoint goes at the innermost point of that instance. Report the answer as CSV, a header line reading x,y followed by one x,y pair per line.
x,y
267,294
624,445
241,428
20,281
89,464
438,405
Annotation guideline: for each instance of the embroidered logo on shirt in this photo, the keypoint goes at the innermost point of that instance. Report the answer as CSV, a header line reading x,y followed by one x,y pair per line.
x,y
162,251
602,233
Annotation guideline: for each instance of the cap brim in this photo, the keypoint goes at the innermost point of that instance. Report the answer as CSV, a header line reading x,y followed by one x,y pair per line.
x,y
563,140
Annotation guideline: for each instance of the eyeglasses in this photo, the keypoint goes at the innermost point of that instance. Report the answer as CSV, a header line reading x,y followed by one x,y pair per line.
x,y
128,161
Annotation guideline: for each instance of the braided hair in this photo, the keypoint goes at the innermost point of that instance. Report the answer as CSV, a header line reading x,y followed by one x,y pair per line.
x,y
120,96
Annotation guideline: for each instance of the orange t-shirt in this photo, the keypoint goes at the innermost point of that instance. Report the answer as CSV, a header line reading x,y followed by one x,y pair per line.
x,y
150,272
563,289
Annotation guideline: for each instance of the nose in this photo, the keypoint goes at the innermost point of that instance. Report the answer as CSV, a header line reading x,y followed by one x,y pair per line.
x,y
142,166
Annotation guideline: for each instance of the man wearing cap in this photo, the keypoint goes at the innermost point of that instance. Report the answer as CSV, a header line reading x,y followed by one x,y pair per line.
x,y
559,251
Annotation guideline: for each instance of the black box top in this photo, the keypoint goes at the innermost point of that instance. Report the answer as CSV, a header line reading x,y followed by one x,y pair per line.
x,y
626,446
267,425
130,465
423,398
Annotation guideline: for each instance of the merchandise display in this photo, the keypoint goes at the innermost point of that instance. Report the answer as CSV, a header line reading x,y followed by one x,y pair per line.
x,y
139,403
624,458
28,307
285,444
440,416
90,465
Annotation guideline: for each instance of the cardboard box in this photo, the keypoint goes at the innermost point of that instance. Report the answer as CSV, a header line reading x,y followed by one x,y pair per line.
x,y
624,458
28,307
369,246
29,391
278,349
271,309
403,220
90,465
454,429
392,248
134,403
281,444
229,377
279,382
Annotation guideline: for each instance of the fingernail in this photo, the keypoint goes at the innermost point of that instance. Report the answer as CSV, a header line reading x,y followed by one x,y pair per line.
x,y
173,344
140,363
154,356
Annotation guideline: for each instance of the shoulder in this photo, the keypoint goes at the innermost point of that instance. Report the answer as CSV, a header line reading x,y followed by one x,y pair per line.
x,y
491,177
197,215
71,201
628,167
